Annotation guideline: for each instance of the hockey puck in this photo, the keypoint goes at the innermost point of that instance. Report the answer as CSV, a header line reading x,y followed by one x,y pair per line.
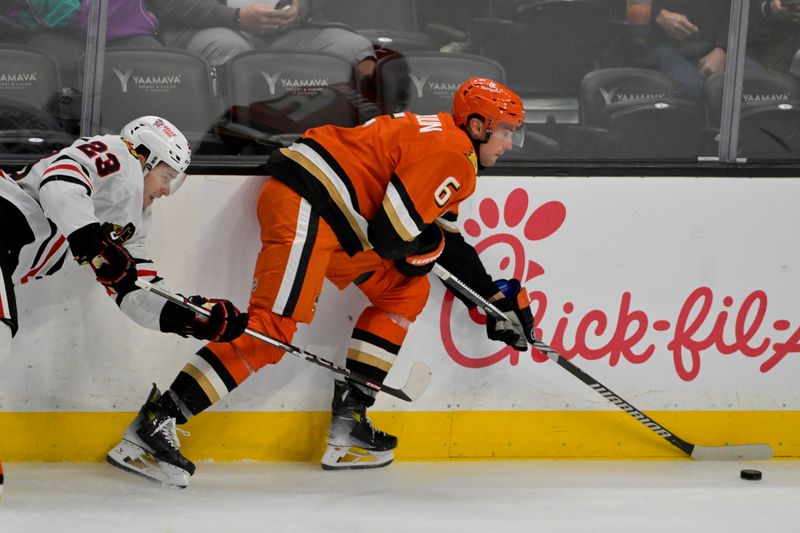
x,y
750,475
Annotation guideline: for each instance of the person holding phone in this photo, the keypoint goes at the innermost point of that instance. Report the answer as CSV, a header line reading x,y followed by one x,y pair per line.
x,y
773,37
219,30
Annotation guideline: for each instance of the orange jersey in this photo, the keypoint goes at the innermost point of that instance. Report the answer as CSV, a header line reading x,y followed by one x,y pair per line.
x,y
379,185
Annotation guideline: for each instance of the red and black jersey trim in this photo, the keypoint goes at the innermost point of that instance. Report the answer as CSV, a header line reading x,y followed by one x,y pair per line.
x,y
68,179
57,265
45,245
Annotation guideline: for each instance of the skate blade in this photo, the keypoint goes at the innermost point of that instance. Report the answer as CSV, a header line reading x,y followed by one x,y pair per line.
x,y
132,458
354,458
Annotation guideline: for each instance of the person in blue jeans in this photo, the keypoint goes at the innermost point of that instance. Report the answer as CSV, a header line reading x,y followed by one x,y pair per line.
x,y
689,41
218,31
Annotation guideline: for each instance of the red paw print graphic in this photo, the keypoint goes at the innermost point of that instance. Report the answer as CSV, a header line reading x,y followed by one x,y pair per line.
x,y
503,252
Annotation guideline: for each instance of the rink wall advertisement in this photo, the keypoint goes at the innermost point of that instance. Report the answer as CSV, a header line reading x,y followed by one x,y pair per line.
x,y
679,294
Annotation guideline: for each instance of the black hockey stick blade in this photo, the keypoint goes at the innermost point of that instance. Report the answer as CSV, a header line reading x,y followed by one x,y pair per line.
x,y
418,377
730,452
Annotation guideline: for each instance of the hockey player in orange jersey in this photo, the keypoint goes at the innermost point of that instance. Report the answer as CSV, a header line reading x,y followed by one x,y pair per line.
x,y
375,206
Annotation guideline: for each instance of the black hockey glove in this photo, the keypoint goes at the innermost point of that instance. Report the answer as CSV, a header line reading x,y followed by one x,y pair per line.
x,y
225,323
102,248
517,331
430,247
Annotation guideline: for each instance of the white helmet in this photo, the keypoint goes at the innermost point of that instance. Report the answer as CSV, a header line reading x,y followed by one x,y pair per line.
x,y
164,141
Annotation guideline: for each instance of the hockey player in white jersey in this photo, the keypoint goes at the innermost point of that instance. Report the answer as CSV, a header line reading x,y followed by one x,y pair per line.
x,y
92,202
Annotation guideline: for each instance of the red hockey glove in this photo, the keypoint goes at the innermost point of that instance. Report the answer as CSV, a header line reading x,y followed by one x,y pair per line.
x,y
225,323
102,248
517,331
431,245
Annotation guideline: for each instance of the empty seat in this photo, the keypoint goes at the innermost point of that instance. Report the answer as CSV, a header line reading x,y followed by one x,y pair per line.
x,y
669,128
29,85
770,131
601,88
174,84
287,92
758,89
424,82
28,76
769,121
639,115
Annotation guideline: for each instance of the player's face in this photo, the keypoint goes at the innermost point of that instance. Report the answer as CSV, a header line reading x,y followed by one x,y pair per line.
x,y
499,143
156,183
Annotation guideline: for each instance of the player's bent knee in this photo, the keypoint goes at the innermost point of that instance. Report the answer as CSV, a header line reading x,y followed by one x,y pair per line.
x,y
260,353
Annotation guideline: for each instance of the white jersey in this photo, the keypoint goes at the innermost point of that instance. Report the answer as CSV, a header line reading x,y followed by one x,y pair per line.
x,y
95,180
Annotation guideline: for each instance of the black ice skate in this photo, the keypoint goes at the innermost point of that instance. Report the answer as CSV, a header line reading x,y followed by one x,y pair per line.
x,y
353,442
150,447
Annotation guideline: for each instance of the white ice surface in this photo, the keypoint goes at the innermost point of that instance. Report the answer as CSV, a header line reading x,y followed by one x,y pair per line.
x,y
453,497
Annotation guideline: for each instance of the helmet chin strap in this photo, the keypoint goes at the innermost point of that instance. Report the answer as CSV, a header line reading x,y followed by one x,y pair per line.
x,y
477,142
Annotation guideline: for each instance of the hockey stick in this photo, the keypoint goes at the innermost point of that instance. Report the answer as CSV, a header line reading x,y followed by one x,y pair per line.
x,y
716,453
415,385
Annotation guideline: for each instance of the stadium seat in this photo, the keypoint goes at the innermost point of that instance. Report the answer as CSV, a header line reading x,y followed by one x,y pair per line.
x,y
29,88
642,119
603,87
424,82
758,88
171,83
770,131
287,92
28,75
769,120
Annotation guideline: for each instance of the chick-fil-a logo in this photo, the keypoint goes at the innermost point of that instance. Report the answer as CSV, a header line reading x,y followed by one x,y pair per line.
x,y
734,329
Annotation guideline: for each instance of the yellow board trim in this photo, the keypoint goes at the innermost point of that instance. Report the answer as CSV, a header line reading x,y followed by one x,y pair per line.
x,y
434,436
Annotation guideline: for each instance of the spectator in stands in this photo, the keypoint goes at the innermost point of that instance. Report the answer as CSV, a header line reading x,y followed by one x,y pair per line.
x,y
773,37
59,28
688,41
218,32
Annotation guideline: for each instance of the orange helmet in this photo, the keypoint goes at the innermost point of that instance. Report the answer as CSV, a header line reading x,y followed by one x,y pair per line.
x,y
492,101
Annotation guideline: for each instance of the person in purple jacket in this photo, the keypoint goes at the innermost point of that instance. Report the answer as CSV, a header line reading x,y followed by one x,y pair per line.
x,y
59,29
